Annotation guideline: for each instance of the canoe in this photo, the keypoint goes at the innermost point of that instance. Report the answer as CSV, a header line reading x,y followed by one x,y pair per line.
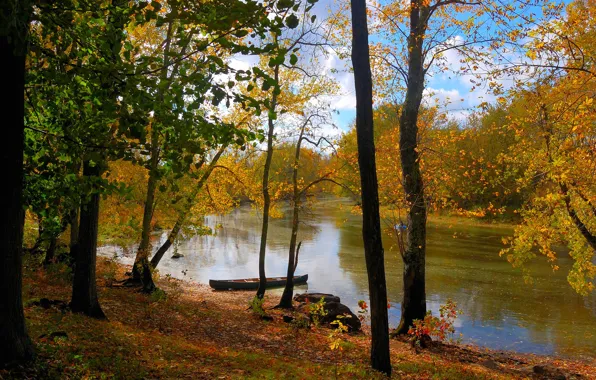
x,y
253,283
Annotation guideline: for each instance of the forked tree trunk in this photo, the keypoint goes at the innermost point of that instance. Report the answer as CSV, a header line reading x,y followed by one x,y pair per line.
x,y
190,200
266,196
413,305
371,221
15,344
84,288
142,269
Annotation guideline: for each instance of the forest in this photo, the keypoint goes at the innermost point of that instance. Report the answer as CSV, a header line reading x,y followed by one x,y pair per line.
x,y
431,162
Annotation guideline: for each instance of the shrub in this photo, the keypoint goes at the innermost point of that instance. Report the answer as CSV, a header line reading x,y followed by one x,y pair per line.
x,y
317,311
256,306
438,328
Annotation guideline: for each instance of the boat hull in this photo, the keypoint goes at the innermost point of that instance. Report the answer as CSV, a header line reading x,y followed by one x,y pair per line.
x,y
253,283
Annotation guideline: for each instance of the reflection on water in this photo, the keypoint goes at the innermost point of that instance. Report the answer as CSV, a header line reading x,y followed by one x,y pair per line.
x,y
499,310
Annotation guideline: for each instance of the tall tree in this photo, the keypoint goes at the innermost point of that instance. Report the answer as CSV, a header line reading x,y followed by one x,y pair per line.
x,y
413,305
265,186
300,189
84,288
15,344
141,267
371,221
84,292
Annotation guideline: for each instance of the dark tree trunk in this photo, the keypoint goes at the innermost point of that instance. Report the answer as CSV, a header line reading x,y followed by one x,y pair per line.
x,y
84,288
51,252
74,222
168,243
266,196
583,229
371,221
74,234
288,294
286,298
15,344
413,305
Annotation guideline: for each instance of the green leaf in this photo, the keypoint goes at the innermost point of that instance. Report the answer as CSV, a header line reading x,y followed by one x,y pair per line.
x,y
293,59
285,4
241,33
292,21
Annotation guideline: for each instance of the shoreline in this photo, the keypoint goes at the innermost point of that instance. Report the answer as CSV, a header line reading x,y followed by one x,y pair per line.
x,y
192,329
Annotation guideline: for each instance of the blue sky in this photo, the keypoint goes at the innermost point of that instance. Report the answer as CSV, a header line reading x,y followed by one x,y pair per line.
x,y
455,94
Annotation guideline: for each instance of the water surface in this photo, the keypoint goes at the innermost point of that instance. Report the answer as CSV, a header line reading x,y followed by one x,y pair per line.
x,y
500,310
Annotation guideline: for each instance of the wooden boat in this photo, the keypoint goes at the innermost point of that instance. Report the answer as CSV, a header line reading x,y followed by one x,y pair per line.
x,y
253,283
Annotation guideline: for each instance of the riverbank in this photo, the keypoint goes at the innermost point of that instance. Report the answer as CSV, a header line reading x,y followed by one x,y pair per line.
x,y
194,332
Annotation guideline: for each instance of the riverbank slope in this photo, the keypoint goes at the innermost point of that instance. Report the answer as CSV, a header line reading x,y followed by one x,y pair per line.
x,y
193,332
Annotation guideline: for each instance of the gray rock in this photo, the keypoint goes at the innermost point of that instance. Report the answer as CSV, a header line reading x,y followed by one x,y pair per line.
x,y
549,371
490,364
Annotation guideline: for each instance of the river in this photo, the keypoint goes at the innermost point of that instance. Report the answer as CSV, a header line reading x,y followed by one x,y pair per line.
x,y
500,310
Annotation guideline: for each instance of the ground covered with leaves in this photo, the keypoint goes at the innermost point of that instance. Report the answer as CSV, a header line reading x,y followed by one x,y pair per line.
x,y
189,331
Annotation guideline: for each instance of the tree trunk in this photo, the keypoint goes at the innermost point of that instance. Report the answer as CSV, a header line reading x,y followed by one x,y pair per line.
x,y
266,196
51,252
583,229
286,298
141,268
84,288
168,243
413,305
15,344
74,234
74,221
371,221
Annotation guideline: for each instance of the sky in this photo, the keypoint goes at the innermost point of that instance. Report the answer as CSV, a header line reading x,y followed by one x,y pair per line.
x,y
456,95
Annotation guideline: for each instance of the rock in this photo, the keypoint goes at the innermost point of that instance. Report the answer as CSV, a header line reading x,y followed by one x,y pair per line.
x,y
45,303
333,307
316,297
55,334
490,364
548,371
336,309
58,334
